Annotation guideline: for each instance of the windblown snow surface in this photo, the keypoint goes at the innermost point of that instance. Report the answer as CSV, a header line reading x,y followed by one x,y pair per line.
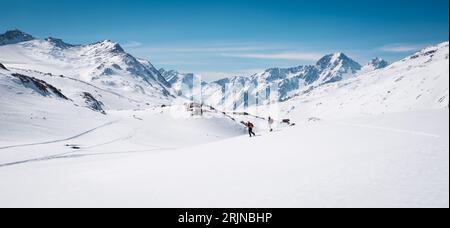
x,y
378,140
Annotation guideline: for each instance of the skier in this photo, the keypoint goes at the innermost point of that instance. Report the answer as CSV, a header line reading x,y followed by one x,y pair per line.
x,y
250,127
270,122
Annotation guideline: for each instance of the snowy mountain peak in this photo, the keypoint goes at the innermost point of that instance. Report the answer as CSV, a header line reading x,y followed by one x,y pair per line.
x,y
336,67
375,64
333,60
379,63
338,55
58,43
14,37
109,46
104,64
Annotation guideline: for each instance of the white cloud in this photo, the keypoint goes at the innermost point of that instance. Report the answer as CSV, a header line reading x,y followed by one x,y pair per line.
x,y
400,48
307,56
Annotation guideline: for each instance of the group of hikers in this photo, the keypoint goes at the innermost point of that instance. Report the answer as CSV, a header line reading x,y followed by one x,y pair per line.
x,y
250,126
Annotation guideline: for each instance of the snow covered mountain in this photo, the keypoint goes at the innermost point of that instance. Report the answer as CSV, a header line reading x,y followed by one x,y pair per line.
x,y
336,67
104,75
230,92
14,37
103,65
417,82
286,81
183,84
374,64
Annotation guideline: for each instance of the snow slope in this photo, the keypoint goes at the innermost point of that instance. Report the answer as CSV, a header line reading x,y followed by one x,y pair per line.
x,y
382,161
34,115
28,114
75,88
121,132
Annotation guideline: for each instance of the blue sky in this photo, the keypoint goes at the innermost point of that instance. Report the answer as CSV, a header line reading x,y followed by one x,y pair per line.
x,y
237,37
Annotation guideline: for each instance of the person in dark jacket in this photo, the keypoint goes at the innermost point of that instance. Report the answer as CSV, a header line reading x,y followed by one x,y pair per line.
x,y
270,121
250,127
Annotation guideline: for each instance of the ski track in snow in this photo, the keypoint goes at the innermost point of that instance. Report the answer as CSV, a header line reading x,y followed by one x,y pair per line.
x,y
61,140
84,151
74,154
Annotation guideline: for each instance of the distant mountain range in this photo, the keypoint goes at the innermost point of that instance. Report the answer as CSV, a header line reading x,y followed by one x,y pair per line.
x,y
107,76
285,81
